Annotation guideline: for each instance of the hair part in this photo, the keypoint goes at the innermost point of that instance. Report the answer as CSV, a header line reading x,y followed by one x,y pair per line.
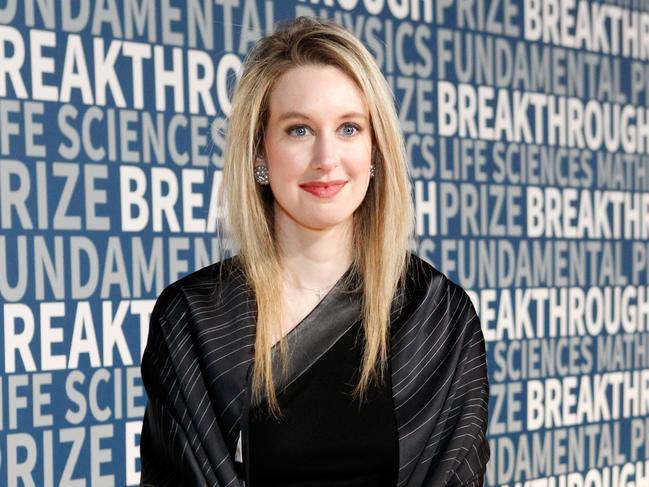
x,y
382,225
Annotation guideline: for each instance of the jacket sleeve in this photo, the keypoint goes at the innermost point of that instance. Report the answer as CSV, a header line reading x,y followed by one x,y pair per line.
x,y
165,458
462,460
166,455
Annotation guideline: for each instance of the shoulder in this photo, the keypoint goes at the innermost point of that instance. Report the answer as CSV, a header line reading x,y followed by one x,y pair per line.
x,y
208,284
432,298
191,313
425,282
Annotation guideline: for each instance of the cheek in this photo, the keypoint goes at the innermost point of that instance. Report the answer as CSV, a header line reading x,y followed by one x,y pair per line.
x,y
286,172
285,165
360,165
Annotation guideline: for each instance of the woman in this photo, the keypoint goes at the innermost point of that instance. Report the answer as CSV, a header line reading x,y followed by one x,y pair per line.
x,y
323,353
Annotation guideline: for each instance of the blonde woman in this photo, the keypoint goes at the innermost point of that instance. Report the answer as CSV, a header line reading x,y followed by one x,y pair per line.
x,y
323,353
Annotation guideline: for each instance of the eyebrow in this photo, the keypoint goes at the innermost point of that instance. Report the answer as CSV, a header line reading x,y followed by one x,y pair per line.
x,y
294,114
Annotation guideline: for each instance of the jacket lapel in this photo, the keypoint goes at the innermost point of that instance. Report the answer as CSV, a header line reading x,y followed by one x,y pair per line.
x,y
415,330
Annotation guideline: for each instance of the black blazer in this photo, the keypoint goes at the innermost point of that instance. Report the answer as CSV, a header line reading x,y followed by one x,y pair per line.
x,y
199,353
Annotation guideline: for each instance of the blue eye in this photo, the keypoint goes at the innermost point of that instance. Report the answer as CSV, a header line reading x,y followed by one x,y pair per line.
x,y
349,129
350,126
294,130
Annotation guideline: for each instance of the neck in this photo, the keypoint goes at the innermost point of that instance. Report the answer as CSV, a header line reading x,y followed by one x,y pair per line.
x,y
314,259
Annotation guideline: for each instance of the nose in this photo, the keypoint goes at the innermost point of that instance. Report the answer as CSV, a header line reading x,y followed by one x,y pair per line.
x,y
326,154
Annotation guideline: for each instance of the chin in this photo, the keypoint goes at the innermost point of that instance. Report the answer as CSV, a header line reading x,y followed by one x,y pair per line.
x,y
320,225
324,223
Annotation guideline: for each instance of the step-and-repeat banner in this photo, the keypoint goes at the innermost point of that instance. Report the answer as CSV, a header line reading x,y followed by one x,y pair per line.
x,y
527,129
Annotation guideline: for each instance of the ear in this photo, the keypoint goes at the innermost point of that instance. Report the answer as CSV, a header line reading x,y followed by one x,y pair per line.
x,y
260,156
261,144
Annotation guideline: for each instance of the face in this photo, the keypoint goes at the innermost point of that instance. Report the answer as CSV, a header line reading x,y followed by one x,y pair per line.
x,y
318,147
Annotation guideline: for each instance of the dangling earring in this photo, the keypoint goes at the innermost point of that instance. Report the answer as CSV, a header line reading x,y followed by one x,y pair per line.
x,y
372,170
261,172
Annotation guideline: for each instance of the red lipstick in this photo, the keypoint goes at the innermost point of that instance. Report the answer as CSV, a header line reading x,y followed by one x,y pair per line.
x,y
323,189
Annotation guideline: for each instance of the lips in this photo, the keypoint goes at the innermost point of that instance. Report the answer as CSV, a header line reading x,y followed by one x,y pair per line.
x,y
323,189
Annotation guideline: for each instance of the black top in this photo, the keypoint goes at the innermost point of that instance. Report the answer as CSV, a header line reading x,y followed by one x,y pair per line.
x,y
324,438
200,350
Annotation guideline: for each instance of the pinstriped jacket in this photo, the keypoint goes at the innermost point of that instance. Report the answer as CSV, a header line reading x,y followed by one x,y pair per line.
x,y
199,353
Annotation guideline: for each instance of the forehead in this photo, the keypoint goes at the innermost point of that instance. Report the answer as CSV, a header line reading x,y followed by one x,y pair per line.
x,y
314,89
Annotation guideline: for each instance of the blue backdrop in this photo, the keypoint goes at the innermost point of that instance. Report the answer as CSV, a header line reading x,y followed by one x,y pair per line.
x,y
527,129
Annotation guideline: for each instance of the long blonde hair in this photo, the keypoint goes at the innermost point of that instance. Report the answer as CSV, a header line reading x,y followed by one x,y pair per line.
x,y
382,225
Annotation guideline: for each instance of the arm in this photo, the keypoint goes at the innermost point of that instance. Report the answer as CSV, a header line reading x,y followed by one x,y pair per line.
x,y
167,456
463,459
166,459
